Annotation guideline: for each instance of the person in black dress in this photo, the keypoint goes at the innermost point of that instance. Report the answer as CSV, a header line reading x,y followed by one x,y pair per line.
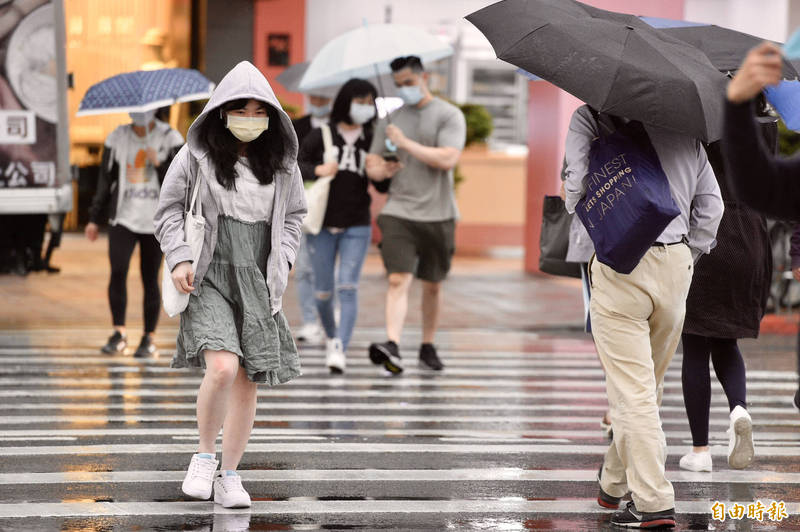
x,y
765,182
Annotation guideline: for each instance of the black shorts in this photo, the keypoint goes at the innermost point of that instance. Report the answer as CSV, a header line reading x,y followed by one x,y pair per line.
x,y
422,248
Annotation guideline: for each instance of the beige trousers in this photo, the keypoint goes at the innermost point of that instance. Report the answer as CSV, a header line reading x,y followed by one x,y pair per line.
x,y
636,322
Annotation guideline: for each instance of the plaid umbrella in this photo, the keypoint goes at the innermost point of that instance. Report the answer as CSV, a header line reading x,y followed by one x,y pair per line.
x,y
145,90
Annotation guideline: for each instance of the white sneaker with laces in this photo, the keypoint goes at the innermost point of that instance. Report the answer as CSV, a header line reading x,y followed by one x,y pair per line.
x,y
228,491
334,356
740,447
694,461
310,334
199,477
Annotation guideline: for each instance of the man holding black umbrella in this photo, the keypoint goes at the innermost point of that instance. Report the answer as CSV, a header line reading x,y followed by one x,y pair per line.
x,y
637,318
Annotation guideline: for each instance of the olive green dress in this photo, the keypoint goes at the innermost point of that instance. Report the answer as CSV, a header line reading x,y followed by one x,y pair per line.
x,y
232,311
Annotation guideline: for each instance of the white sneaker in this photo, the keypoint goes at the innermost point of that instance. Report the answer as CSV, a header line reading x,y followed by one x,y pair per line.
x,y
696,461
740,447
199,477
310,334
334,356
228,491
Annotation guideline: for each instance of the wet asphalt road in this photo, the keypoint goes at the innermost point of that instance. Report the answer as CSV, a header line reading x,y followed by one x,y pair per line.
x,y
507,438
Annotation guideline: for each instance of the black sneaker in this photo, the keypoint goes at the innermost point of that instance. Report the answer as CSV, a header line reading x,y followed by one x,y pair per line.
x,y
604,499
632,518
116,344
388,355
797,399
428,358
146,348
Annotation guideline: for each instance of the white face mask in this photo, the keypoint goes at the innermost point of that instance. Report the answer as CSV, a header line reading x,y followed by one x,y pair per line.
x,y
247,128
361,113
319,111
142,119
411,95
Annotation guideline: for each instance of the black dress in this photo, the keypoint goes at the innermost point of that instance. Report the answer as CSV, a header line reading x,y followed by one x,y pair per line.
x,y
730,285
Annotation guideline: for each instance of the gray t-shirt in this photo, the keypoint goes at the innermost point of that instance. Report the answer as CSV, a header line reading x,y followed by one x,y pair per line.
x,y
418,191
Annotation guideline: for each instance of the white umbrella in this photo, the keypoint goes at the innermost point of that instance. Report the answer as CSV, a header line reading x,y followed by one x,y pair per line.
x,y
367,51
290,79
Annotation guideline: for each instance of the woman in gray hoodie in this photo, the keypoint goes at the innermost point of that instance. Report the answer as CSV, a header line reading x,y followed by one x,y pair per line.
x,y
242,153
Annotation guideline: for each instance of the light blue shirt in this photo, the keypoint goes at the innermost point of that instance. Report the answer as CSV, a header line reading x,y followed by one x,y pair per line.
x,y
691,180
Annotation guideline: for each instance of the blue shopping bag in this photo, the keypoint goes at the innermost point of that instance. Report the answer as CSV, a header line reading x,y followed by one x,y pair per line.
x,y
785,98
628,203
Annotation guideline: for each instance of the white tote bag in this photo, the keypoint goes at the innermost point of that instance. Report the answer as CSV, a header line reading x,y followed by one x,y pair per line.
x,y
194,225
317,193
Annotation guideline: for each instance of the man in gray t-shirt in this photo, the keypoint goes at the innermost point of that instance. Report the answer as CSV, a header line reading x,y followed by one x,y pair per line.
x,y
417,149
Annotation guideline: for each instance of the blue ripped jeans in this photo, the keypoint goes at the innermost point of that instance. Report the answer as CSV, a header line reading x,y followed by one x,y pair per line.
x,y
351,247
304,280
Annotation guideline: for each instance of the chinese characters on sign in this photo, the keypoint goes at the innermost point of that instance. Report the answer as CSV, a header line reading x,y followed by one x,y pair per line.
x,y
34,174
776,511
17,127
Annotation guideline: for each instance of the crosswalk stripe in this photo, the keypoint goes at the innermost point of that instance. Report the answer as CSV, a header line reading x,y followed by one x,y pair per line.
x,y
415,380
521,371
360,418
322,406
395,475
315,507
365,448
94,355
190,434
138,392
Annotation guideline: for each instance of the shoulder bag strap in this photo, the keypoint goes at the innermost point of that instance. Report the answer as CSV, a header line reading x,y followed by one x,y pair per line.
x,y
327,142
197,180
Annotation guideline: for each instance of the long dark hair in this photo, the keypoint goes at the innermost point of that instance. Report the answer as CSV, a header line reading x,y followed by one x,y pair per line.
x,y
265,154
354,88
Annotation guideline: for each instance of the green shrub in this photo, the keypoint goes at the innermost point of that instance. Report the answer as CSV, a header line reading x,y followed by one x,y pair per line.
x,y
479,122
479,127
788,140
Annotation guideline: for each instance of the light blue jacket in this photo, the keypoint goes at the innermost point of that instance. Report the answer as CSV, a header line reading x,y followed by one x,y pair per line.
x,y
243,81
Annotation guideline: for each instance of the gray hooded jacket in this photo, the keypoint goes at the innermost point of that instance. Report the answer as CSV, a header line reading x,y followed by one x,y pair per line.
x,y
243,81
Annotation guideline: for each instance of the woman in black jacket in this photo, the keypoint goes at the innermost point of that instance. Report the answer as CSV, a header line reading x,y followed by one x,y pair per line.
x,y
347,230
135,159
765,182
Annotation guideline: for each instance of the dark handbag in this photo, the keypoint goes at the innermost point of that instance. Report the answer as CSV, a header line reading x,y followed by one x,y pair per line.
x,y
628,203
554,239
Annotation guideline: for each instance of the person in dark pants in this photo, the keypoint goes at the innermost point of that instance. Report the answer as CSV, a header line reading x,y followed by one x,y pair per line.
x,y
762,180
135,159
726,301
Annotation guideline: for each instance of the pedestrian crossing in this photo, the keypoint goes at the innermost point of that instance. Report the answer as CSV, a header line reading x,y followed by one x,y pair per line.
x,y
506,438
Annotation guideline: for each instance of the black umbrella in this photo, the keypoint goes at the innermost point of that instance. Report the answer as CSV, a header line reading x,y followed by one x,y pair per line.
x,y
615,62
725,48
